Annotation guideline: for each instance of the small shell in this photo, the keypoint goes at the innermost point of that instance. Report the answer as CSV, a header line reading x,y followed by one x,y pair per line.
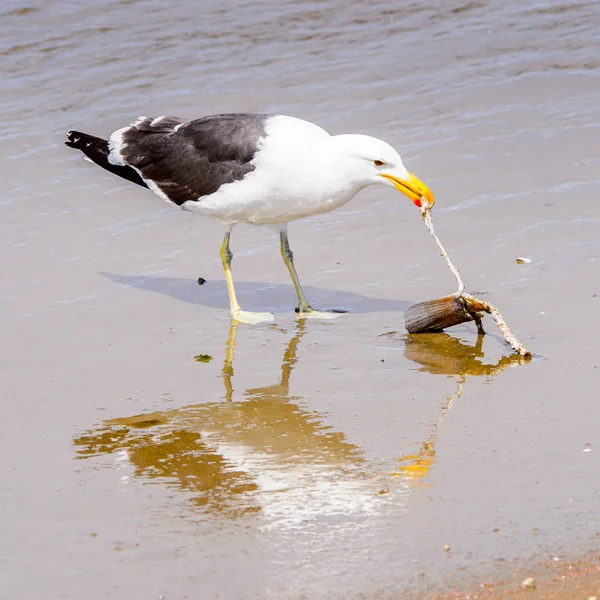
x,y
528,583
522,261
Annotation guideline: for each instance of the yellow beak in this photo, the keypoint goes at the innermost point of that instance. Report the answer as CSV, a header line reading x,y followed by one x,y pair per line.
x,y
412,187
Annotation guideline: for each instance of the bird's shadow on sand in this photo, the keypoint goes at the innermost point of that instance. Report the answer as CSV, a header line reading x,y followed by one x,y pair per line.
x,y
256,295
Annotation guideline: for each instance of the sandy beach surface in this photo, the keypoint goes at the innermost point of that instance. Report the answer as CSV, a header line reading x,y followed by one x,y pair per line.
x,y
151,448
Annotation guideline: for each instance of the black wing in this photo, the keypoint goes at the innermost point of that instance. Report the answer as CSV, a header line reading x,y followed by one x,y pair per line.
x,y
189,160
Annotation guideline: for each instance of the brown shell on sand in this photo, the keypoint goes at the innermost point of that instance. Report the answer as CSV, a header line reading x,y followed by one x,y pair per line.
x,y
436,314
440,313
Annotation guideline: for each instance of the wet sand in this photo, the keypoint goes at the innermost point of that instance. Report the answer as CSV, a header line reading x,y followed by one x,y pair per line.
x,y
325,459
555,578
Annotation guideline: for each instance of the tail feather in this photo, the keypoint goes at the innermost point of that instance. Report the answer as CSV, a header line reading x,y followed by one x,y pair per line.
x,y
96,149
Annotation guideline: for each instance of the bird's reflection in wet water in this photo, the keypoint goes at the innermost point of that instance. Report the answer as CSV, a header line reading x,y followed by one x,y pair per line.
x,y
268,452
226,454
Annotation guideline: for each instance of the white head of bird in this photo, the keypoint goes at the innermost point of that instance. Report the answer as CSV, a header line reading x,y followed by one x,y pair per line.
x,y
367,160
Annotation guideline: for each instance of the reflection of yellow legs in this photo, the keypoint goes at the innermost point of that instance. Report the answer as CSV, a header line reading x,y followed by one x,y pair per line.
x,y
229,356
277,391
236,312
304,309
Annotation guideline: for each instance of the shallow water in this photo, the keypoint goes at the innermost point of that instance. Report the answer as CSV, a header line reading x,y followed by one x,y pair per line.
x,y
318,459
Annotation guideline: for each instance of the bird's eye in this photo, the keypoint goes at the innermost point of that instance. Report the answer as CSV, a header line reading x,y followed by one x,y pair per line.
x,y
379,163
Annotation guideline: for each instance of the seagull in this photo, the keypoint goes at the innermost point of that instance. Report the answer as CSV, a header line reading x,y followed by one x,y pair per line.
x,y
250,168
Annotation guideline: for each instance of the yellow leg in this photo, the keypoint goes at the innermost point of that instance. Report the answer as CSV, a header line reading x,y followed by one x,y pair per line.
x,y
288,259
236,312
304,309
226,256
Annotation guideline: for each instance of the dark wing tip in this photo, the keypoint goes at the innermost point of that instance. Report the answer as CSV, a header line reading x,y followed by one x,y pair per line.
x,y
72,139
